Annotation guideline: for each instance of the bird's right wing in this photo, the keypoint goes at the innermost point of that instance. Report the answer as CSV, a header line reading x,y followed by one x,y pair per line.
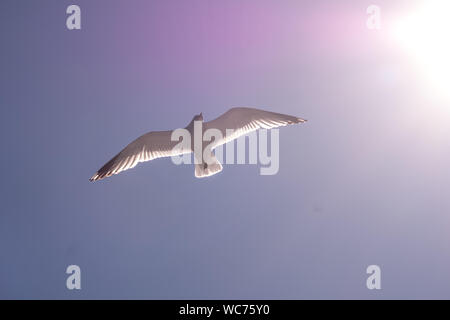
x,y
147,147
240,121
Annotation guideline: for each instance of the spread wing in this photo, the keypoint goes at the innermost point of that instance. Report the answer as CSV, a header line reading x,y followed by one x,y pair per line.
x,y
147,147
245,120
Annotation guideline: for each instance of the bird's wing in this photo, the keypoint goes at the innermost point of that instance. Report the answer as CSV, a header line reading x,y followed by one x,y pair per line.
x,y
147,147
245,120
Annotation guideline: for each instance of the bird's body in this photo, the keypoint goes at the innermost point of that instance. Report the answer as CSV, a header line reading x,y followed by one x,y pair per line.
x,y
156,144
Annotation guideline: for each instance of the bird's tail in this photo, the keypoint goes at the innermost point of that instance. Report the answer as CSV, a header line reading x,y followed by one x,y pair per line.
x,y
208,169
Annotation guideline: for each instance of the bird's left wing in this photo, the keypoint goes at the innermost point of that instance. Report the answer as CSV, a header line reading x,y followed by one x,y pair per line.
x,y
147,147
240,121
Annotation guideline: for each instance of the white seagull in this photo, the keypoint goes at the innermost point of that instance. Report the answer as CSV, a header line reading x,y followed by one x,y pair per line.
x,y
158,144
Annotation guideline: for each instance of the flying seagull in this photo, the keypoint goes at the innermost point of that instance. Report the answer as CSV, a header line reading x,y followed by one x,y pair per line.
x,y
158,144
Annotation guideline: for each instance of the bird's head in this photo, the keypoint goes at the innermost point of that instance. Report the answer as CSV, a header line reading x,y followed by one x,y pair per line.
x,y
198,117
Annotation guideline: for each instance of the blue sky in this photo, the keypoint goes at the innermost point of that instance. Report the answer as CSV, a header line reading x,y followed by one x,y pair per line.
x,y
364,182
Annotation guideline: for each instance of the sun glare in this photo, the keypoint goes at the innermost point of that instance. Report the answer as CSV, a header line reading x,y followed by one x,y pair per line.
x,y
425,35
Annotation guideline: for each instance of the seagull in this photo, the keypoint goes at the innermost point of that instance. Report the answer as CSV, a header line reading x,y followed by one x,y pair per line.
x,y
232,124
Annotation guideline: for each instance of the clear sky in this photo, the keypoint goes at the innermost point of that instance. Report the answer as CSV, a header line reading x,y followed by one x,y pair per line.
x,y
364,182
